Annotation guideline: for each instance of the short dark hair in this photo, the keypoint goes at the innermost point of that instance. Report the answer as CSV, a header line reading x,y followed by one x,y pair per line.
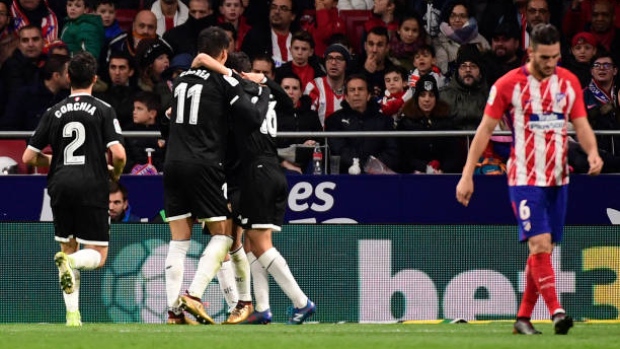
x,y
396,69
449,7
304,36
82,70
544,34
355,77
105,2
122,55
267,58
150,99
425,48
29,26
229,27
289,75
602,53
239,61
54,64
213,41
379,31
115,187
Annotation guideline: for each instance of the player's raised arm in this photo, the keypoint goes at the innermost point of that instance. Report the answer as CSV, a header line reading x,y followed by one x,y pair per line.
x,y
465,187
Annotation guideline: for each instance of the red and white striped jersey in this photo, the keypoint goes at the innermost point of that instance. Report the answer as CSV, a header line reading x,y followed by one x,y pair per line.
x,y
324,100
538,113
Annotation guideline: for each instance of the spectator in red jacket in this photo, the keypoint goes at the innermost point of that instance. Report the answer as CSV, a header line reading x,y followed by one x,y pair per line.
x,y
326,23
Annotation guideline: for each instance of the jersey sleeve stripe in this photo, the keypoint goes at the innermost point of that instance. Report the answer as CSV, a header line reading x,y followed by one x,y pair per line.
x,y
112,143
34,149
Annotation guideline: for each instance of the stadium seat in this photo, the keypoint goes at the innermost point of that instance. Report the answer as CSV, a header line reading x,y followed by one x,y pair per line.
x,y
14,149
125,18
354,22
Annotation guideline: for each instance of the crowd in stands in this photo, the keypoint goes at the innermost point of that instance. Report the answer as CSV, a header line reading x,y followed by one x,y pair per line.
x,y
348,65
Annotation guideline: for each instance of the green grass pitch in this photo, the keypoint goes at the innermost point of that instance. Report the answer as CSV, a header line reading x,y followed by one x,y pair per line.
x,y
278,336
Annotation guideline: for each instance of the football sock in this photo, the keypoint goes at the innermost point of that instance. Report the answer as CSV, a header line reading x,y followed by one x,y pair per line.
x,y
226,279
175,267
544,276
260,281
209,263
242,274
275,264
530,294
85,259
72,301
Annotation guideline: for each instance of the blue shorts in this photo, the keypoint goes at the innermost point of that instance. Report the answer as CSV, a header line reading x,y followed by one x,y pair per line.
x,y
539,210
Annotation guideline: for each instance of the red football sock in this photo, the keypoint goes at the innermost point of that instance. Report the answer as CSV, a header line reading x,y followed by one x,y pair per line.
x,y
530,294
544,276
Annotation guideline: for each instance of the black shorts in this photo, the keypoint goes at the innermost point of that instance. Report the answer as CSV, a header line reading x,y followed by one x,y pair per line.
x,y
263,195
193,190
234,198
88,225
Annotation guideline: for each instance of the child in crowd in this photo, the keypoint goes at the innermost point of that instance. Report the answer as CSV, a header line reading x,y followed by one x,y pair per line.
x,y
579,62
304,64
396,92
153,58
409,36
231,11
82,31
146,108
425,63
107,10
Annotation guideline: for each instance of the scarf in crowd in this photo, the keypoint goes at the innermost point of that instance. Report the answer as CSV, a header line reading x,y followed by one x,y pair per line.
x,y
42,16
399,49
463,35
600,95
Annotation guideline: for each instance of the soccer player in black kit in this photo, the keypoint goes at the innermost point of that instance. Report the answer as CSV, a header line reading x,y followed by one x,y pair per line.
x,y
194,179
263,202
80,129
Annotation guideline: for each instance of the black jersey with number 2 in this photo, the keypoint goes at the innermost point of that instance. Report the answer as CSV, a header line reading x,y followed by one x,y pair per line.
x,y
79,129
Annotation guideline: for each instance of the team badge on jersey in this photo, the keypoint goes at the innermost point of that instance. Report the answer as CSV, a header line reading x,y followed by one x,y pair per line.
x,y
560,100
117,127
492,95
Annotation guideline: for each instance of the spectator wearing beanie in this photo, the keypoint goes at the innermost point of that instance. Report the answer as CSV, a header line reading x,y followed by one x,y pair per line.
x,y
467,92
327,92
153,58
426,112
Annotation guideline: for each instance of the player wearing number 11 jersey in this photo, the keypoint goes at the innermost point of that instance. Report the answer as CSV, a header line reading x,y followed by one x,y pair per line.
x,y
539,100
194,179
80,129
